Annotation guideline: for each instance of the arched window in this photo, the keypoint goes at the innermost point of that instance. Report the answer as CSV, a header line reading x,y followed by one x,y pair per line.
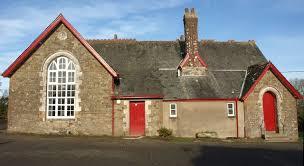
x,y
61,88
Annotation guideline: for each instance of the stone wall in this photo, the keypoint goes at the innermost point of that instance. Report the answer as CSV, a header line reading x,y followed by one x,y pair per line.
x,y
27,108
153,117
286,108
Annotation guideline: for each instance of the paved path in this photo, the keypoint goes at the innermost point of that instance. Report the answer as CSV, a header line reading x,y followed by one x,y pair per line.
x,y
55,150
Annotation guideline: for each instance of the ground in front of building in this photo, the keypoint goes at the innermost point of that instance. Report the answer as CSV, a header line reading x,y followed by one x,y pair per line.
x,y
63,150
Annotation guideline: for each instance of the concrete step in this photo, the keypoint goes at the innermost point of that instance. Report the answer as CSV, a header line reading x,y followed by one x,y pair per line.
x,y
276,137
282,139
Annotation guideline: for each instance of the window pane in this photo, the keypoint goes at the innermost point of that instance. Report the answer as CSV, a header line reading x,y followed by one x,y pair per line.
x,y
230,111
173,112
61,75
173,106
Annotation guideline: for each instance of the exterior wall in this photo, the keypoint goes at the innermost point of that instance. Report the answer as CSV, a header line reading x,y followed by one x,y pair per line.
x,y
286,108
27,108
153,117
203,116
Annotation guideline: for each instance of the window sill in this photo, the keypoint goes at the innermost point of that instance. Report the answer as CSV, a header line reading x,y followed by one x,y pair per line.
x,y
61,119
172,117
231,116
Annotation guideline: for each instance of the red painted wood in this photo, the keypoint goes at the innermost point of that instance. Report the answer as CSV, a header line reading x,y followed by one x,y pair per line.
x,y
137,118
187,57
139,97
200,99
282,79
269,109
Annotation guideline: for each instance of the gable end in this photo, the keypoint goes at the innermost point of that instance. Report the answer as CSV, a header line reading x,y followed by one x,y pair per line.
x,y
37,42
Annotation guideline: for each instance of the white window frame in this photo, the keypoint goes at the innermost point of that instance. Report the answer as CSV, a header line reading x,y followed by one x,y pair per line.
x,y
67,82
233,110
170,109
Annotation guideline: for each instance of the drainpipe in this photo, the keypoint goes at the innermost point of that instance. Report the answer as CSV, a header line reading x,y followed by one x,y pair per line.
x,y
237,117
113,124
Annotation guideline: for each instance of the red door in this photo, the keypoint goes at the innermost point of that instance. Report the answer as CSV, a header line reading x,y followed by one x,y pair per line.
x,y
269,109
137,118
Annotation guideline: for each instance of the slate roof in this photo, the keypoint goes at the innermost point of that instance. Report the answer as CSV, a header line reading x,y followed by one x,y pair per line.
x,y
150,67
253,74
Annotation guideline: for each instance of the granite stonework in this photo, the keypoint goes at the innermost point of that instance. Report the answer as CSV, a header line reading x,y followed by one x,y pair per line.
x,y
27,108
286,109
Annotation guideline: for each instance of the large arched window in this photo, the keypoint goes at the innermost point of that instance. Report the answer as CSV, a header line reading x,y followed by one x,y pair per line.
x,y
61,88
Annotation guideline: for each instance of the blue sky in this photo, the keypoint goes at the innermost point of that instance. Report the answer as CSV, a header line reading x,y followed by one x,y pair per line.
x,y
277,26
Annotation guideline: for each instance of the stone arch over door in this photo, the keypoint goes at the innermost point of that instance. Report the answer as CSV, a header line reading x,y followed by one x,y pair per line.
x,y
278,108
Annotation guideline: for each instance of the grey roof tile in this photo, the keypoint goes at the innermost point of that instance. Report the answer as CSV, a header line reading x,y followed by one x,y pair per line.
x,y
149,67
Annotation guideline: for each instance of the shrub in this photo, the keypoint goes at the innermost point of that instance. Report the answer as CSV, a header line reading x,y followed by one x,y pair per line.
x,y
164,132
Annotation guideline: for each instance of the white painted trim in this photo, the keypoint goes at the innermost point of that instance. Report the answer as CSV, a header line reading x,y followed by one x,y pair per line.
x,y
43,83
233,110
170,109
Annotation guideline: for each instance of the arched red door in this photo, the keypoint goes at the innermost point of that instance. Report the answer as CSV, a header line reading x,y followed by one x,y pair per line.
x,y
269,109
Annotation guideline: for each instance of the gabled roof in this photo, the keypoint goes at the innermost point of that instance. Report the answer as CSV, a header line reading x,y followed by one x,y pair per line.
x,y
187,57
150,67
38,41
257,72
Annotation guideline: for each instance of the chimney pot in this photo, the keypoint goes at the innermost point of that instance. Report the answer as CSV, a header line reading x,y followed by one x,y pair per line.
x,y
186,10
192,11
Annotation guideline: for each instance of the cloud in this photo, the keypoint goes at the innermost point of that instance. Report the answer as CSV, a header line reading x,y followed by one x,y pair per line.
x,y
22,21
26,19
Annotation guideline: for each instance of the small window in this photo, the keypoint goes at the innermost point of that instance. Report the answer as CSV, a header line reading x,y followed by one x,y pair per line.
x,y
230,110
173,110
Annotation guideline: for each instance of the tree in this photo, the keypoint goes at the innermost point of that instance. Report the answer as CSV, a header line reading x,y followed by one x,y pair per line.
x,y
299,85
3,102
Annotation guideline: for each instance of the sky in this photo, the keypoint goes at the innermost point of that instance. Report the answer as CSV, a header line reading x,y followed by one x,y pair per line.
x,y
277,26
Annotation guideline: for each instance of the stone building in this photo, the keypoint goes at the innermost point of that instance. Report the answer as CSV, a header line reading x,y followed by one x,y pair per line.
x,y
64,84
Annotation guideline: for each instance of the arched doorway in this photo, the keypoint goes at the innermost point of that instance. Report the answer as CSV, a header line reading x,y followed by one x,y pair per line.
x,y
270,111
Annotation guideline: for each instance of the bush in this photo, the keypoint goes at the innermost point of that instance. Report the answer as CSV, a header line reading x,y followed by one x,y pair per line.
x,y
164,132
3,107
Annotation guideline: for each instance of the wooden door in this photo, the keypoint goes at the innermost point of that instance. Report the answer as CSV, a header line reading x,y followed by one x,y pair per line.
x,y
269,109
137,118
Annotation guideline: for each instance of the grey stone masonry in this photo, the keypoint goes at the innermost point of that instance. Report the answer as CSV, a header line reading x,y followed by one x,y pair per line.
x,y
286,109
27,108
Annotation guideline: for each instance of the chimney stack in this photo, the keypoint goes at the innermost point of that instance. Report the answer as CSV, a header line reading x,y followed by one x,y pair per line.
x,y
192,64
190,28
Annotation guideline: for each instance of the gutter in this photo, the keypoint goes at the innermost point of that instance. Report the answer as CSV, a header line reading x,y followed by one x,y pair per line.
x,y
138,97
113,110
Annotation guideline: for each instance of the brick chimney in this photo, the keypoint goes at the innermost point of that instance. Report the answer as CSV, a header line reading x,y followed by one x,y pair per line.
x,y
192,65
190,28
